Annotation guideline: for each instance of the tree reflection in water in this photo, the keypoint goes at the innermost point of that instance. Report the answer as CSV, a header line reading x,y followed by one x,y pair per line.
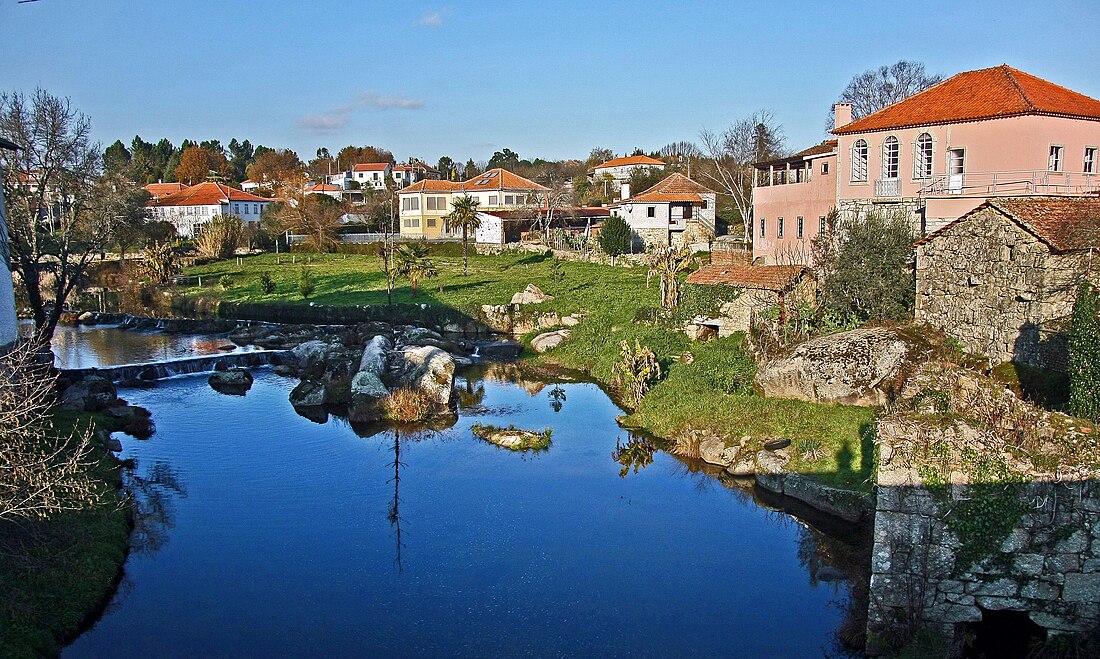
x,y
395,510
637,453
557,398
153,499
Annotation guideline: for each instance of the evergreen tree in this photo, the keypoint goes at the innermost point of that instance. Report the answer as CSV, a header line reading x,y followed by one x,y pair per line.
x,y
615,237
1084,355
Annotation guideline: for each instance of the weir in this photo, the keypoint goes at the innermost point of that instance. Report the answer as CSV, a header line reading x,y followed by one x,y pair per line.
x,y
164,369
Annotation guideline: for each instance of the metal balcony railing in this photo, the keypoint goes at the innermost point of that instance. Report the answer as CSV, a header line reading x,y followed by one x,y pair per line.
x,y
888,187
992,184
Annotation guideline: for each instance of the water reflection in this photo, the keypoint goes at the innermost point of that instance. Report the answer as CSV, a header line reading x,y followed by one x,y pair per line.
x,y
100,345
557,398
636,454
153,504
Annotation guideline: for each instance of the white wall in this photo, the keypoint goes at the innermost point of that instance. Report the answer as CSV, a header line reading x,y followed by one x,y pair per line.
x,y
491,230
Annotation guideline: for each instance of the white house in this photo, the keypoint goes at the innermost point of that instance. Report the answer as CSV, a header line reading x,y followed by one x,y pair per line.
x,y
9,324
333,191
193,207
424,203
619,170
676,211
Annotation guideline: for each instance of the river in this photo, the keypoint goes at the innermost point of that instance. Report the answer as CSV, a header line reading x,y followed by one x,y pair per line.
x,y
263,533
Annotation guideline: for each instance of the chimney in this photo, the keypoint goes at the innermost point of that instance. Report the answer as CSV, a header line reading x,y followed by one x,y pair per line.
x,y
624,191
842,115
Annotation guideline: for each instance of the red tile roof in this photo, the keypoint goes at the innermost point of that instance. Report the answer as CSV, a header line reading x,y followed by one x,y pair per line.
x,y
1001,91
324,187
205,194
163,189
674,188
499,179
1063,223
765,277
826,147
631,160
371,167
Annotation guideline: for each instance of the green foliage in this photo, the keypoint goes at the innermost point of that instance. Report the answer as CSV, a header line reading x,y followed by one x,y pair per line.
x,y
867,267
159,265
464,216
306,283
726,365
1084,355
615,236
531,440
557,271
644,178
636,371
226,282
636,454
220,237
701,300
414,264
267,284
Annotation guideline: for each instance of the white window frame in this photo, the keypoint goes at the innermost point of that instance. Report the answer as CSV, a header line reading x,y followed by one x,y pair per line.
x,y
922,161
1056,158
860,157
891,158
1088,166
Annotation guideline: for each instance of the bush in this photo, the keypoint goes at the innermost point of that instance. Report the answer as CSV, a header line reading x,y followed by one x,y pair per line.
x,y
226,282
1084,355
407,406
615,237
636,371
866,267
726,366
220,237
160,263
306,283
267,284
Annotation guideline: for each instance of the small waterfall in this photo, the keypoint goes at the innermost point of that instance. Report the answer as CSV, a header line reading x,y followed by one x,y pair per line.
x,y
166,369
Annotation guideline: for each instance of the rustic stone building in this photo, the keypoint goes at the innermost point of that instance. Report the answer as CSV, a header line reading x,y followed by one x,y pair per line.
x,y
1002,279
763,288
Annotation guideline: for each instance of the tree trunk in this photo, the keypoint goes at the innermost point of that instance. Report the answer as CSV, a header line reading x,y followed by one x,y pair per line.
x,y
465,251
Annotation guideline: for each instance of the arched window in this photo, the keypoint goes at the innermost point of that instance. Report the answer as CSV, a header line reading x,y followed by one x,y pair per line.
x,y
922,157
859,161
890,158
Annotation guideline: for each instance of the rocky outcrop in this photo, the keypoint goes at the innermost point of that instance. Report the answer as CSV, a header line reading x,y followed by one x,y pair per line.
x,y
549,340
235,381
90,394
426,368
512,438
375,355
367,385
859,367
506,349
309,393
531,295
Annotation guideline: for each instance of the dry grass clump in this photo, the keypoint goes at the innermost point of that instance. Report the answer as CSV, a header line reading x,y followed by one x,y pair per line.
x,y
407,406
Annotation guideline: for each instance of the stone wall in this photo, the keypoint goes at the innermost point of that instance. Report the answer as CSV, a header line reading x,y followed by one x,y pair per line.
x,y
998,290
852,209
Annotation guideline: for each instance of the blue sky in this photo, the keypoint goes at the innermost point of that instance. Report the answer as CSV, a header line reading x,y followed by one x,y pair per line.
x,y
551,78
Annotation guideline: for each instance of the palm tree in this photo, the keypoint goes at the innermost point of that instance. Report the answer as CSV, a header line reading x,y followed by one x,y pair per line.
x,y
464,214
413,262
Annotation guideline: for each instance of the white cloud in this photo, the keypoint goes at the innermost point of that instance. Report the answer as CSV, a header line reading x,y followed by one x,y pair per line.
x,y
334,120
434,18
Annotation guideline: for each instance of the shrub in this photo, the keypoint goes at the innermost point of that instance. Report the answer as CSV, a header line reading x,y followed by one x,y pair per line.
x,y
220,237
226,282
267,284
615,237
160,263
725,366
866,267
636,371
306,283
407,406
1084,355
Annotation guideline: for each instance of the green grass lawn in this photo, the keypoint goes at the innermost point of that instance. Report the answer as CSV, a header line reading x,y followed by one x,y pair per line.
x,y
53,574
686,399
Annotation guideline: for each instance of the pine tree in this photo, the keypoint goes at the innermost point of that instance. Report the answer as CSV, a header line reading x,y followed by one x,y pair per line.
x,y
615,237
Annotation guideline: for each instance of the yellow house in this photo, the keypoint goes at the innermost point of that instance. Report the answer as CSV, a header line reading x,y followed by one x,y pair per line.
x,y
425,203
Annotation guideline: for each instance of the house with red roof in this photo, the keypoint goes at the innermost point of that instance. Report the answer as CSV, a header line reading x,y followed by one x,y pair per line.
x,y
676,211
189,209
158,190
1002,278
617,171
937,155
425,204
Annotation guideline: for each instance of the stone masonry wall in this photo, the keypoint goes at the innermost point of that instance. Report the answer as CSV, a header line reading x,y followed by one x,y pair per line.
x,y
853,209
998,290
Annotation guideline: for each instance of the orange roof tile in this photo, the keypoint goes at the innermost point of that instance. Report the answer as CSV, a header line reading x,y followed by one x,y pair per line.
x,y
674,188
371,167
205,194
631,160
766,277
500,179
1001,91
163,189
1063,223
324,187
429,185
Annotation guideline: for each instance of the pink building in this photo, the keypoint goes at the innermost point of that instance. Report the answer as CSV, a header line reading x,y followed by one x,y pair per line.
x,y
943,151
791,199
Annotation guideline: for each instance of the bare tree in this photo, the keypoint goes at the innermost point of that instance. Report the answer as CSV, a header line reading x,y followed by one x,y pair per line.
x,y
40,473
549,205
730,156
315,216
61,213
874,89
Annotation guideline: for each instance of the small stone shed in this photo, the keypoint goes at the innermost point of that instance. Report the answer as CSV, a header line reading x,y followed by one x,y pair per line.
x,y
1002,279
763,287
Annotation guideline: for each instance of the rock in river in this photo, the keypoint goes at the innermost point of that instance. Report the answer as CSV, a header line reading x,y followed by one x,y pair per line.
x,y
235,381
426,368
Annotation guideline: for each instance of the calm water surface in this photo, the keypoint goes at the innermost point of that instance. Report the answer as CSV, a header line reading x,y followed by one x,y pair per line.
x,y
262,533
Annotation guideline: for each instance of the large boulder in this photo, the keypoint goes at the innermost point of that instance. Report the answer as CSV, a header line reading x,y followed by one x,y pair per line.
x,y
311,352
235,381
549,340
367,384
531,295
375,355
859,367
505,349
309,393
91,394
426,368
